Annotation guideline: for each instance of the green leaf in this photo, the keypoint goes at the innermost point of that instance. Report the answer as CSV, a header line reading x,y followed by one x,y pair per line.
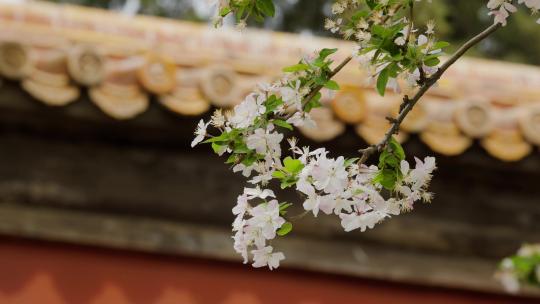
x,y
250,159
283,124
234,158
284,205
225,11
386,178
432,62
288,182
371,3
359,15
296,68
332,85
278,175
388,160
241,148
221,138
326,52
272,103
217,148
440,45
285,229
266,7
313,103
292,165
283,208
382,81
379,31
397,149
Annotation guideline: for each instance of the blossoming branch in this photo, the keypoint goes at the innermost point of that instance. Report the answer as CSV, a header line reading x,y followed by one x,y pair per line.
x,y
395,52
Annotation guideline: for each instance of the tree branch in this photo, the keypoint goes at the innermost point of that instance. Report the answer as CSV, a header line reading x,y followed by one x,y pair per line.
x,y
409,103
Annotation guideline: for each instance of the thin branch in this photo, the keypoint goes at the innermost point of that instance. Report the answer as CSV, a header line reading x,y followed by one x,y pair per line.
x,y
409,103
333,73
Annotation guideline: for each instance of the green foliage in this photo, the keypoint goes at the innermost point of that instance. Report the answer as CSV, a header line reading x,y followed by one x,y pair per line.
x,y
272,103
285,229
288,176
382,81
390,165
315,102
234,140
332,85
283,124
283,208
243,9
293,166
296,68
316,72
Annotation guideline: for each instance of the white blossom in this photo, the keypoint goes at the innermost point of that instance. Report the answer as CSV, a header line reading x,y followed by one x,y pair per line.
x,y
246,112
501,9
350,222
266,257
200,133
266,216
292,95
258,193
265,141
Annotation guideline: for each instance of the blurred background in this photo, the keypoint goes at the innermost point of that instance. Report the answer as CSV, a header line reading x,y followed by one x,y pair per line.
x,y
102,200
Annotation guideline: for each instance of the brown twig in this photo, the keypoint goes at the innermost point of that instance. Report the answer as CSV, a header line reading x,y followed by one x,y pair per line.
x,y
409,103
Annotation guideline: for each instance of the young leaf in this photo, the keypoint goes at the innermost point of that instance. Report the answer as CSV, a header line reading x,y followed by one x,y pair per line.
x,y
386,178
296,68
278,175
371,3
432,62
326,52
285,229
217,148
283,124
332,85
288,182
397,149
224,11
266,7
382,81
292,165
283,208
440,45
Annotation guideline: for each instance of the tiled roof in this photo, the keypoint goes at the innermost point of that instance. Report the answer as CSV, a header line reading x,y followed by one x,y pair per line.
x,y
57,51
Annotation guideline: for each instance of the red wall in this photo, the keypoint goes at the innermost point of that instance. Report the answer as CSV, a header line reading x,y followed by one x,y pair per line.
x,y
43,273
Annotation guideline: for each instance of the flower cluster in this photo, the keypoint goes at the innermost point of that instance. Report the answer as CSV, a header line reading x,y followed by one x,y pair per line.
x,y
501,9
251,136
389,45
254,226
353,191
394,51
524,267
